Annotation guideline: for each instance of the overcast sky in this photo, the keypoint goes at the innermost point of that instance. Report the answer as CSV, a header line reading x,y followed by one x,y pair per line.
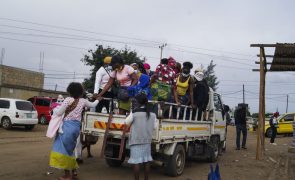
x,y
194,30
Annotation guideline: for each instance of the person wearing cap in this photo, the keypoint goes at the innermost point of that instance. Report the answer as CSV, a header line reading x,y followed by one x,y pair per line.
x,y
273,122
183,89
125,76
101,79
147,68
201,95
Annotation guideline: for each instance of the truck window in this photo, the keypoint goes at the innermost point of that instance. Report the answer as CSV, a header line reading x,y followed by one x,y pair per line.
x,y
217,103
4,104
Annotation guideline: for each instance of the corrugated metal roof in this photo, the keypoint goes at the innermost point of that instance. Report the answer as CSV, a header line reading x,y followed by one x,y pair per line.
x,y
284,58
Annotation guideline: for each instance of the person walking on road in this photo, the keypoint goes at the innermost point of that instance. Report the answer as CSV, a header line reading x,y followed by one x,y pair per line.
x,y
142,123
240,122
62,154
273,125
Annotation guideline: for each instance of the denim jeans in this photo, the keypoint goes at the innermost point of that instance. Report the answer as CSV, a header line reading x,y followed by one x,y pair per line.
x,y
241,128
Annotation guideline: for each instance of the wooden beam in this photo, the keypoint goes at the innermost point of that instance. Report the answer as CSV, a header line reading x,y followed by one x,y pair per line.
x,y
257,62
272,45
270,56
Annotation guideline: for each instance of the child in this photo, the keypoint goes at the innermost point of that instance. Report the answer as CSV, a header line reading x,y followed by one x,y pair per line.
x,y
142,122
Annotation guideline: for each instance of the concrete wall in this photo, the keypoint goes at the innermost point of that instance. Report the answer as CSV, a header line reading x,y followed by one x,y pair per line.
x,y
23,84
21,77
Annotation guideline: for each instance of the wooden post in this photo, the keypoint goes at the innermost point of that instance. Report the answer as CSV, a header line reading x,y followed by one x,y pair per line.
x,y
263,100
260,132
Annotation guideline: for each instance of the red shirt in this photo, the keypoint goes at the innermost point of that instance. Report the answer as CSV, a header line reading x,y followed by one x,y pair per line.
x,y
165,74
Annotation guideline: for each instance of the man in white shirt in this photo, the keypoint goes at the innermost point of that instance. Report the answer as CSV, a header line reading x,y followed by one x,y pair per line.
x,y
101,79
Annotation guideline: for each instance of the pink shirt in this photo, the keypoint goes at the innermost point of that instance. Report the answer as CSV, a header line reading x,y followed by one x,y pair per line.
x,y
76,113
124,76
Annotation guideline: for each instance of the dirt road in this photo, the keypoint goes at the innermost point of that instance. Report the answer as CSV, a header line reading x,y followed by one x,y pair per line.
x,y
24,155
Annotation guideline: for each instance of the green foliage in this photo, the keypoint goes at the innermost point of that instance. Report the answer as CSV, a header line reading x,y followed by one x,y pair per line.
x,y
95,60
210,76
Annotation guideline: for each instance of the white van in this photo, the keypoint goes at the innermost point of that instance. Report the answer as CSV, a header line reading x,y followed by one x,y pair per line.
x,y
17,112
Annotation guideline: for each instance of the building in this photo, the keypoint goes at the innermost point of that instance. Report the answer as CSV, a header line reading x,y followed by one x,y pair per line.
x,y
23,84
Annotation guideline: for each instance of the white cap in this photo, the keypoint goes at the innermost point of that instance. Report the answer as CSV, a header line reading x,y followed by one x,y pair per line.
x,y
199,76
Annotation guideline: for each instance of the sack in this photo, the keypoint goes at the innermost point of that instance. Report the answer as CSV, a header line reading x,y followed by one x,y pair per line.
x,y
161,91
115,88
53,126
123,94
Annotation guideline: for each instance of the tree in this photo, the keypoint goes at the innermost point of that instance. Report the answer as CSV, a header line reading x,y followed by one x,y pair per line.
x,y
95,59
210,76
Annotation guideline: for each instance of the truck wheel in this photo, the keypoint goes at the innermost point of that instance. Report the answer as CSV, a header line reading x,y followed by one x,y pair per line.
x,y
176,162
113,162
213,150
268,132
6,123
43,120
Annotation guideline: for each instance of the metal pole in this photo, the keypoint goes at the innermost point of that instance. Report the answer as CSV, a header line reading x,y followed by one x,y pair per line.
x,y
243,94
2,56
287,103
162,47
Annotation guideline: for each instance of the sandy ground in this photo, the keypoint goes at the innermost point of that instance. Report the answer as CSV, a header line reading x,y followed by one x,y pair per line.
x,y
24,155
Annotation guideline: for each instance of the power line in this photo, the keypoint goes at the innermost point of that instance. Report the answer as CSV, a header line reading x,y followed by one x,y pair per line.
x,y
212,55
78,30
50,44
73,38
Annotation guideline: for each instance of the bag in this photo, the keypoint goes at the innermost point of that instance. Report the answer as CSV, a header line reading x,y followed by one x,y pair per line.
x,y
53,126
56,121
115,86
214,175
123,94
161,91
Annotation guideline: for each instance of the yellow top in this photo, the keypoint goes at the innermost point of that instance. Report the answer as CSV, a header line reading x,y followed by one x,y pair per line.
x,y
182,87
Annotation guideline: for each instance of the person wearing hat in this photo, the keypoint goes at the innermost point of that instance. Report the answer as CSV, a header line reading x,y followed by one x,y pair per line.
x,y
101,79
201,95
273,122
125,76
147,68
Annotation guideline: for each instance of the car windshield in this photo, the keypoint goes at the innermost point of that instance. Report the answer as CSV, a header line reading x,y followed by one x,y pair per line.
x,y
281,116
24,106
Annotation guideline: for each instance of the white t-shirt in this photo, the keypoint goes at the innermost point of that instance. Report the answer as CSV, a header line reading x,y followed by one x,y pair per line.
x,y
101,79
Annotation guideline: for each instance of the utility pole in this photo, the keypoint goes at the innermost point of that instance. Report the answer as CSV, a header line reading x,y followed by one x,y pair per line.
x,y
2,55
287,103
162,47
74,79
55,87
243,94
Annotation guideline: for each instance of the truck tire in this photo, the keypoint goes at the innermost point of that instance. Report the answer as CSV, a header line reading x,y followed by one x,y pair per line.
x,y
6,123
176,162
113,162
213,150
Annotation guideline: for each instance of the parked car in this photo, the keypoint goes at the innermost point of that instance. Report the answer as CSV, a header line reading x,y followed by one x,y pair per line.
x,y
285,124
43,107
16,112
